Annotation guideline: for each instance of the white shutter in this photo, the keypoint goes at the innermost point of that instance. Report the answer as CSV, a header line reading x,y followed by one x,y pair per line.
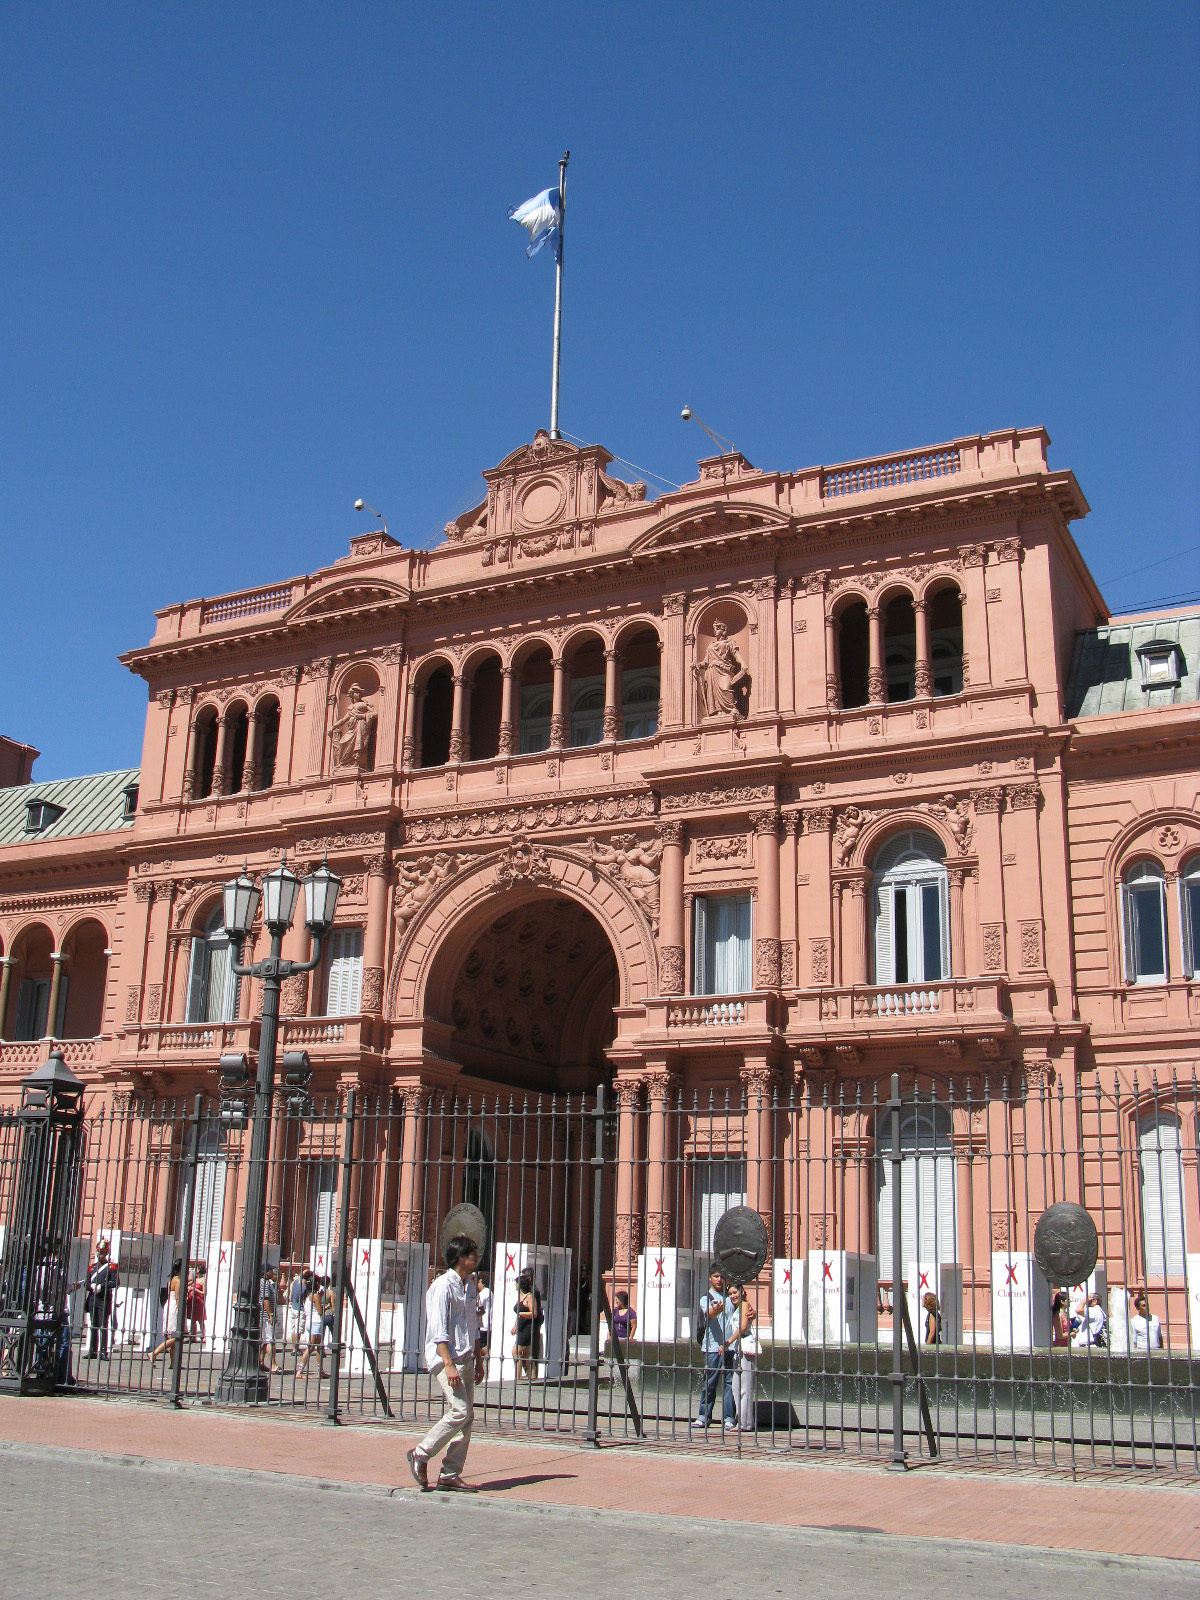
x,y
1128,932
1163,1229
344,991
885,960
719,1186
208,1209
198,982
700,946
1189,895
325,1207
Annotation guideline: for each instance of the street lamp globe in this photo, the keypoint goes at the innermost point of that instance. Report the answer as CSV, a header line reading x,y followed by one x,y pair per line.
x,y
281,890
241,896
321,889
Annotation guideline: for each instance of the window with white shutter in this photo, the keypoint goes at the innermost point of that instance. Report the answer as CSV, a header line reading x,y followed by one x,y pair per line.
x,y
213,986
1189,916
343,994
208,1209
928,1190
911,907
1160,1172
718,1186
323,1189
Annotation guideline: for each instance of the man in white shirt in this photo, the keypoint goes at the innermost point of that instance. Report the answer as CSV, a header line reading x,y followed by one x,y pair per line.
x,y
454,1355
1145,1330
485,1306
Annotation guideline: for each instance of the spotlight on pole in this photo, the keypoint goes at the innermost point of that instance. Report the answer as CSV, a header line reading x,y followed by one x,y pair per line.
x,y
361,505
724,445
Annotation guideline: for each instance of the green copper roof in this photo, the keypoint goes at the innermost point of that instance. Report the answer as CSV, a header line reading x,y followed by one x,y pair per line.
x,y
95,804
1106,676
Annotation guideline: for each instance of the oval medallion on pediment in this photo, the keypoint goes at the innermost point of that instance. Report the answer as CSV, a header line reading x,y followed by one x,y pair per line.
x,y
541,502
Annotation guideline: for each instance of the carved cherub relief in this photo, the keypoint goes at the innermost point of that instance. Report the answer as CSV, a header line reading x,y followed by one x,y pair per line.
x,y
634,863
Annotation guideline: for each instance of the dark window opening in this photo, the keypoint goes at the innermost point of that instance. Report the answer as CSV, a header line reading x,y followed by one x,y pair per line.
x,y
238,738
854,654
206,754
946,642
436,719
487,690
269,735
900,648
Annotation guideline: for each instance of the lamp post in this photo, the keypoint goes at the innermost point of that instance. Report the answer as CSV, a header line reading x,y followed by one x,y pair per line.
x,y
243,1379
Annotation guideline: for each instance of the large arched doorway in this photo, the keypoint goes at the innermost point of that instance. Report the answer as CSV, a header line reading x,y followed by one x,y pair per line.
x,y
527,993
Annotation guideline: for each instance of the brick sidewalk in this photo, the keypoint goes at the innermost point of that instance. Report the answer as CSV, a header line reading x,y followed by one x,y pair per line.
x,y
1133,1517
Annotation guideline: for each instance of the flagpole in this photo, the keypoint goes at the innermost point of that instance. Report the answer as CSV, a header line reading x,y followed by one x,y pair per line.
x,y
558,271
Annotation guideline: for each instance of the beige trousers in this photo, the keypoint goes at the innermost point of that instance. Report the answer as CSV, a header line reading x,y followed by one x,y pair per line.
x,y
456,1419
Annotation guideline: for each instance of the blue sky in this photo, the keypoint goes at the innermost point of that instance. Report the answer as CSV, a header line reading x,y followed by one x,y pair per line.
x,y
256,263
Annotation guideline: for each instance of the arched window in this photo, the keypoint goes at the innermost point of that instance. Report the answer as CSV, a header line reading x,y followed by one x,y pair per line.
x,y
238,739
479,1176
213,988
268,722
587,711
487,695
639,703
900,648
536,704
946,642
1160,1175
1144,914
928,1190
205,753
1189,915
853,654
912,923
436,716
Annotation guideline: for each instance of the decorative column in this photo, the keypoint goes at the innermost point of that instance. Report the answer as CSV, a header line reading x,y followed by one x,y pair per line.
x,y
356,1151
993,955
660,1220
839,937
822,920
186,698
293,990
767,959
612,700
318,673
57,957
671,676
876,682
220,783
766,689
833,678
408,758
958,933
670,908
923,671
410,1210
789,871
375,938
252,767
1020,834
758,1082
508,679
558,720
858,930
628,1244
6,965
456,719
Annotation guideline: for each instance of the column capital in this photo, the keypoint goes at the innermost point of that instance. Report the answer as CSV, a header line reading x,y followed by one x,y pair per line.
x,y
612,655
672,831
765,823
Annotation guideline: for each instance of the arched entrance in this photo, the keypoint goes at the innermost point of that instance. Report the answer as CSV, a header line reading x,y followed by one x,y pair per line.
x,y
525,993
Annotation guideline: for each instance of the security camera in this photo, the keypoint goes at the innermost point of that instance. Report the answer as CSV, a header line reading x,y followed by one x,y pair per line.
x,y
686,413
360,505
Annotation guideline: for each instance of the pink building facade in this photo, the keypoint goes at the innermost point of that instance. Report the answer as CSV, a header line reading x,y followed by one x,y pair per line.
x,y
776,785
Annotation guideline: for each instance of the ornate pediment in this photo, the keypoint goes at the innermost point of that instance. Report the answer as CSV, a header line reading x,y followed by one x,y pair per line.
x,y
342,598
539,494
714,519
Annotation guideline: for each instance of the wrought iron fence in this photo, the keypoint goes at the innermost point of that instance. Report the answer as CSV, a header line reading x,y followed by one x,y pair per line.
x,y
879,1196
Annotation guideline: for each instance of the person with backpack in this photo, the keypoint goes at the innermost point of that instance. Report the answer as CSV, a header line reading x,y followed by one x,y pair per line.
x,y
718,1329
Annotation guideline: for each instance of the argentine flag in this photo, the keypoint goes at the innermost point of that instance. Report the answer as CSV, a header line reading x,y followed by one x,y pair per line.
x,y
543,217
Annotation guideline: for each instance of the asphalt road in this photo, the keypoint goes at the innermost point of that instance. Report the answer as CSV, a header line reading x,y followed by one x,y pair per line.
x,y
75,1524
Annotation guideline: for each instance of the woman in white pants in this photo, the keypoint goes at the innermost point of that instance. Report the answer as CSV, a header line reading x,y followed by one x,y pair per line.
x,y
745,1359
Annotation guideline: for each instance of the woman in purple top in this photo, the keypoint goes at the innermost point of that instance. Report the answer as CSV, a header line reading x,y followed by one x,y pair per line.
x,y
624,1320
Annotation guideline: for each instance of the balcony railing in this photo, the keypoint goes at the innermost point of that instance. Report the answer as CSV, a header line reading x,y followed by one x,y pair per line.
x,y
249,603
30,1053
882,1007
886,472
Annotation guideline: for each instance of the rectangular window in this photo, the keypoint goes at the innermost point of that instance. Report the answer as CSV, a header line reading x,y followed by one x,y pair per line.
x,y
931,932
718,1186
1145,941
587,711
33,1005
323,1189
721,963
343,993
1189,890
535,719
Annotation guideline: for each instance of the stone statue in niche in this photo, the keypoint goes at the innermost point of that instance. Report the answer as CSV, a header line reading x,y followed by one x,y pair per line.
x,y
351,733
722,677
634,863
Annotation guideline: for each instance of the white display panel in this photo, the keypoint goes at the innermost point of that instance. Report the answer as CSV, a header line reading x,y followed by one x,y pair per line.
x,y
841,1298
551,1268
669,1285
389,1280
946,1281
221,1292
789,1300
143,1263
1020,1303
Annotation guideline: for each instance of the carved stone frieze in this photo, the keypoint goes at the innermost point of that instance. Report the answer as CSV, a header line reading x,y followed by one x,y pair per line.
x,y
1031,946
729,847
523,862
293,995
529,817
820,951
768,964
372,991
993,946
733,795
